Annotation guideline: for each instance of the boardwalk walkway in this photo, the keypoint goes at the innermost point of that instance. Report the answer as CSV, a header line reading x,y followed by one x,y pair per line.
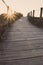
x,y
22,44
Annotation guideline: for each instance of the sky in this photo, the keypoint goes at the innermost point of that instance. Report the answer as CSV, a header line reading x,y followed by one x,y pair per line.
x,y
23,6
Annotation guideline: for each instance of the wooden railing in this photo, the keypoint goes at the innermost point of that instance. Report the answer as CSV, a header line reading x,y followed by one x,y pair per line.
x,y
32,13
38,21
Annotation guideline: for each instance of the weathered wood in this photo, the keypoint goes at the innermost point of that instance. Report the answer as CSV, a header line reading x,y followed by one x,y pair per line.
x,y
33,13
22,44
41,12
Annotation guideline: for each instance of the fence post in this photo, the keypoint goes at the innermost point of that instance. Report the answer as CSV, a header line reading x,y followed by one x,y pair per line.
x,y
41,10
33,13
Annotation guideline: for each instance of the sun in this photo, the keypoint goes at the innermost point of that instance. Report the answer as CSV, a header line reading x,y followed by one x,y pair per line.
x,y
9,13
10,16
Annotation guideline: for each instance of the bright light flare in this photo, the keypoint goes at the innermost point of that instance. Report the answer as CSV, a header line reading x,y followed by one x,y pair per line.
x,y
10,16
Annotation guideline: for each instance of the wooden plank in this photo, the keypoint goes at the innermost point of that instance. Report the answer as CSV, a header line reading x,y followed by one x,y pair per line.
x,y
21,42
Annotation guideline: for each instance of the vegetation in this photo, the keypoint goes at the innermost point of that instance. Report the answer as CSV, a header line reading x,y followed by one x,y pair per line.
x,y
6,20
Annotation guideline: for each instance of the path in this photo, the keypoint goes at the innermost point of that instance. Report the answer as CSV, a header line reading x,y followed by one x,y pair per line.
x,y
22,44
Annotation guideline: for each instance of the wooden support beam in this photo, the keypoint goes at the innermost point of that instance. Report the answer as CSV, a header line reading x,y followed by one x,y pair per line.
x,y
41,11
33,13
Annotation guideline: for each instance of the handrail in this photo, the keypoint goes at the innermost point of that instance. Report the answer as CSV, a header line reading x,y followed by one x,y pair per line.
x,y
32,13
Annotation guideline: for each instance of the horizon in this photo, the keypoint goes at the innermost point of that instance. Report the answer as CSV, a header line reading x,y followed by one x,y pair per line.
x,y
22,6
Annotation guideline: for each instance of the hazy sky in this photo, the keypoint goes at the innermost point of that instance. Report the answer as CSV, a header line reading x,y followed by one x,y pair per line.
x,y
23,6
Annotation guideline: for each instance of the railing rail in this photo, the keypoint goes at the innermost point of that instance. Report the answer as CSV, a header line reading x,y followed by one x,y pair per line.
x,y
32,13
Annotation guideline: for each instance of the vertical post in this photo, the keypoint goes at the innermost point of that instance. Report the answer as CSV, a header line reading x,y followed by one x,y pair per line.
x,y
33,13
41,12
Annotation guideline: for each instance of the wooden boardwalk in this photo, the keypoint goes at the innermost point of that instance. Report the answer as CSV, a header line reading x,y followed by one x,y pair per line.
x,y
22,44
